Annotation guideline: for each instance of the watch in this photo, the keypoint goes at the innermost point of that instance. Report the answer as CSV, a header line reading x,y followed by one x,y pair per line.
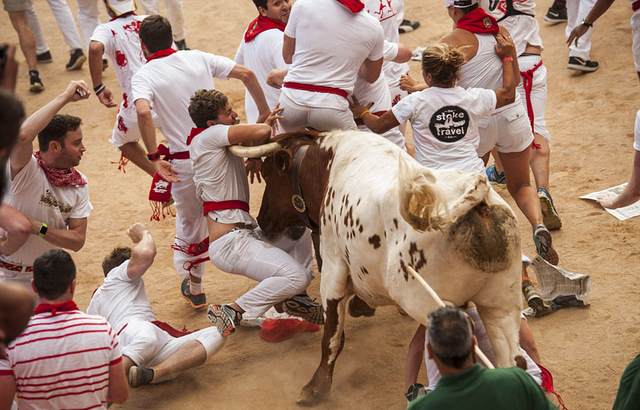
x,y
43,230
584,23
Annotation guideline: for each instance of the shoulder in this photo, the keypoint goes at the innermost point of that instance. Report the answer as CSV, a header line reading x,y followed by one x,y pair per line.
x,y
457,38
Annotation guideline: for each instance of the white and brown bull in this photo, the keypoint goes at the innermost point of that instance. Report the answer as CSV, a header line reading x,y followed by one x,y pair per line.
x,y
379,212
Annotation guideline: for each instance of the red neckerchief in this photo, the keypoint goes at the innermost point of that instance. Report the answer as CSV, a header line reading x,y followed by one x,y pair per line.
x,y
161,53
127,14
260,24
67,177
194,132
67,306
354,6
478,22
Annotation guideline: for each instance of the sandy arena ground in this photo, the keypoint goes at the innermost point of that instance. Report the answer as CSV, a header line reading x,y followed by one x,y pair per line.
x,y
591,121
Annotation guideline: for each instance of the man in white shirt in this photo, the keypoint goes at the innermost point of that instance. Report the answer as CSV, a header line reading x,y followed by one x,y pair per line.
x,y
166,83
46,187
152,350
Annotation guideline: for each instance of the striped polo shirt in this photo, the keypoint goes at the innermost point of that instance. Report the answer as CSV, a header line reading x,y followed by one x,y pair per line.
x,y
62,359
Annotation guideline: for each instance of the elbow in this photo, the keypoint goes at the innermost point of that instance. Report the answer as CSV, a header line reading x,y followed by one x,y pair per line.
x,y
77,245
95,49
144,112
404,54
119,397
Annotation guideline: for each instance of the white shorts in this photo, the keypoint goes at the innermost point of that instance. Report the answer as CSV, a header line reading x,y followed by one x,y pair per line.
x,y
538,93
148,345
635,31
126,129
507,130
295,116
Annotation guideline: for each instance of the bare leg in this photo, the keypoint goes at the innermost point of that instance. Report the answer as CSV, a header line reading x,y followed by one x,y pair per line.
x,y
134,152
25,35
189,355
496,158
415,357
527,342
516,166
540,162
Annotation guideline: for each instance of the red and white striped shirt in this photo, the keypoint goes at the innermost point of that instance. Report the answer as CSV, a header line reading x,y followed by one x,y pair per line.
x,y
62,359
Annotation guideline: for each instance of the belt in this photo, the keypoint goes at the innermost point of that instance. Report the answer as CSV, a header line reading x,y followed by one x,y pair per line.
x,y
360,121
316,88
15,268
209,206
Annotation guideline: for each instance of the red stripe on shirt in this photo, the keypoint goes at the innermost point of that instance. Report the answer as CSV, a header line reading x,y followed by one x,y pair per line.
x,y
54,329
72,386
61,395
58,337
20,379
61,355
61,373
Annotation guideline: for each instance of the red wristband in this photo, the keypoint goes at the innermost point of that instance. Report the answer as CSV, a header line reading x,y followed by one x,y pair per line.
x,y
507,58
154,156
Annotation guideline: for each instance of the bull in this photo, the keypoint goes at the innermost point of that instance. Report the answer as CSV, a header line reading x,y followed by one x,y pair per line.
x,y
379,212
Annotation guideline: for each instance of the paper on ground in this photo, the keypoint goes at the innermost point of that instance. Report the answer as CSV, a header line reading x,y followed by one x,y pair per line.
x,y
554,281
620,213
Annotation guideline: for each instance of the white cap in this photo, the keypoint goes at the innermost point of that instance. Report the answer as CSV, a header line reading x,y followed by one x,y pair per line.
x,y
117,8
460,4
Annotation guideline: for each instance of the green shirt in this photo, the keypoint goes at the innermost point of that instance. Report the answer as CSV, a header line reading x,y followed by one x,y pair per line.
x,y
479,388
628,397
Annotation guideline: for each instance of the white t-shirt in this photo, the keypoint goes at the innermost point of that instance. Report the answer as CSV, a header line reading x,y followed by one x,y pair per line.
x,y
219,175
261,55
32,194
122,45
444,121
168,84
523,29
331,45
119,299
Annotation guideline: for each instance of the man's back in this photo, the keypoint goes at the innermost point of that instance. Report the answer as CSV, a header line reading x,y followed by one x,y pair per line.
x,y
62,359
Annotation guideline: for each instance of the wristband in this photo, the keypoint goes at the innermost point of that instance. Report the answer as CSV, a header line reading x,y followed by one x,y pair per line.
x,y
43,230
153,156
584,23
100,88
365,111
507,58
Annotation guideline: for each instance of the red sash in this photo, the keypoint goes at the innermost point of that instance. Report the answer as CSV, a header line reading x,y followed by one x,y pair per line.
x,y
354,6
260,24
161,53
223,205
194,132
316,89
478,22
527,83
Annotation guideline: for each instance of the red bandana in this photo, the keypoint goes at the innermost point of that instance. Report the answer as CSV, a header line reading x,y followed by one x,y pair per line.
x,y
194,132
67,177
354,6
161,53
67,306
260,24
478,22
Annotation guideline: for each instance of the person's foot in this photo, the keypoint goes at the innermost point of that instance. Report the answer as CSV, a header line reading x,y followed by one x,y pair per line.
x,y
535,301
182,45
580,64
140,376
304,307
197,300
105,64
544,248
225,318
496,178
35,84
44,58
550,216
76,59
408,26
556,16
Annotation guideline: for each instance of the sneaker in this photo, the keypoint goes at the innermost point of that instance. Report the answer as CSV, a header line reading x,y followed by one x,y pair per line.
x,y
550,216
543,242
140,376
76,60
226,318
580,64
35,84
408,26
535,301
105,64
198,300
496,178
304,307
44,58
182,45
556,16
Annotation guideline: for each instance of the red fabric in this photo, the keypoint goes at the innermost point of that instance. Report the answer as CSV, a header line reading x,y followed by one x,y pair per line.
x,y
194,132
547,383
161,53
527,83
354,6
222,205
122,163
171,330
316,88
260,24
67,177
279,330
478,22
635,5
58,307
159,195
168,155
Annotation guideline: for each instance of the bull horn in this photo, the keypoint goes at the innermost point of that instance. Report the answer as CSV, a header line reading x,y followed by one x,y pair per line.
x,y
254,152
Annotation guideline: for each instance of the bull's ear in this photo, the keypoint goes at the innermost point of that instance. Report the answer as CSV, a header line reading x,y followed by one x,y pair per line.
x,y
282,160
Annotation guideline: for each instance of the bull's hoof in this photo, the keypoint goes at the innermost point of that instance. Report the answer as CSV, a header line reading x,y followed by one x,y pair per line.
x,y
358,307
310,396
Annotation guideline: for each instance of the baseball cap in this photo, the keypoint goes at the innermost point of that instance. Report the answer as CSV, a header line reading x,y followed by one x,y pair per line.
x,y
117,8
460,4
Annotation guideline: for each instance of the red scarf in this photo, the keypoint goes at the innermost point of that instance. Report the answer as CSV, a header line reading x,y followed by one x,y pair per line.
x,y
478,22
260,24
67,306
194,132
161,53
67,177
354,6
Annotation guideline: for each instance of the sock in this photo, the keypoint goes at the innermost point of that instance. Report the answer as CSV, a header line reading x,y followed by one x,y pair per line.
x,y
195,288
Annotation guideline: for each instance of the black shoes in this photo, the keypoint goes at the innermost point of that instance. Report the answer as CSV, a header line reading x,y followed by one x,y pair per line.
x,y
579,64
76,60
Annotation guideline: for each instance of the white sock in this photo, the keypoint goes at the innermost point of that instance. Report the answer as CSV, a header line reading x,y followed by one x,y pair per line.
x,y
195,288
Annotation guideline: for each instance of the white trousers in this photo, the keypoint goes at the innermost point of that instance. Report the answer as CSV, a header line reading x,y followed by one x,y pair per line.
x,y
576,11
296,116
66,24
88,18
175,15
282,266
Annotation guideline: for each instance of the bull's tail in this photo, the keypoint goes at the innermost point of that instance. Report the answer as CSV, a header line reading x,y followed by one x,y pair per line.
x,y
420,201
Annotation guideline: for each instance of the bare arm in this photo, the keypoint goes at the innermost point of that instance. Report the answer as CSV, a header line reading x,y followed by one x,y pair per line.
x,y
143,253
118,386
288,49
630,195
249,134
598,10
148,133
250,81
370,70
514,56
379,125
36,122
18,229
7,391
507,94
404,54
72,238
105,96
275,78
